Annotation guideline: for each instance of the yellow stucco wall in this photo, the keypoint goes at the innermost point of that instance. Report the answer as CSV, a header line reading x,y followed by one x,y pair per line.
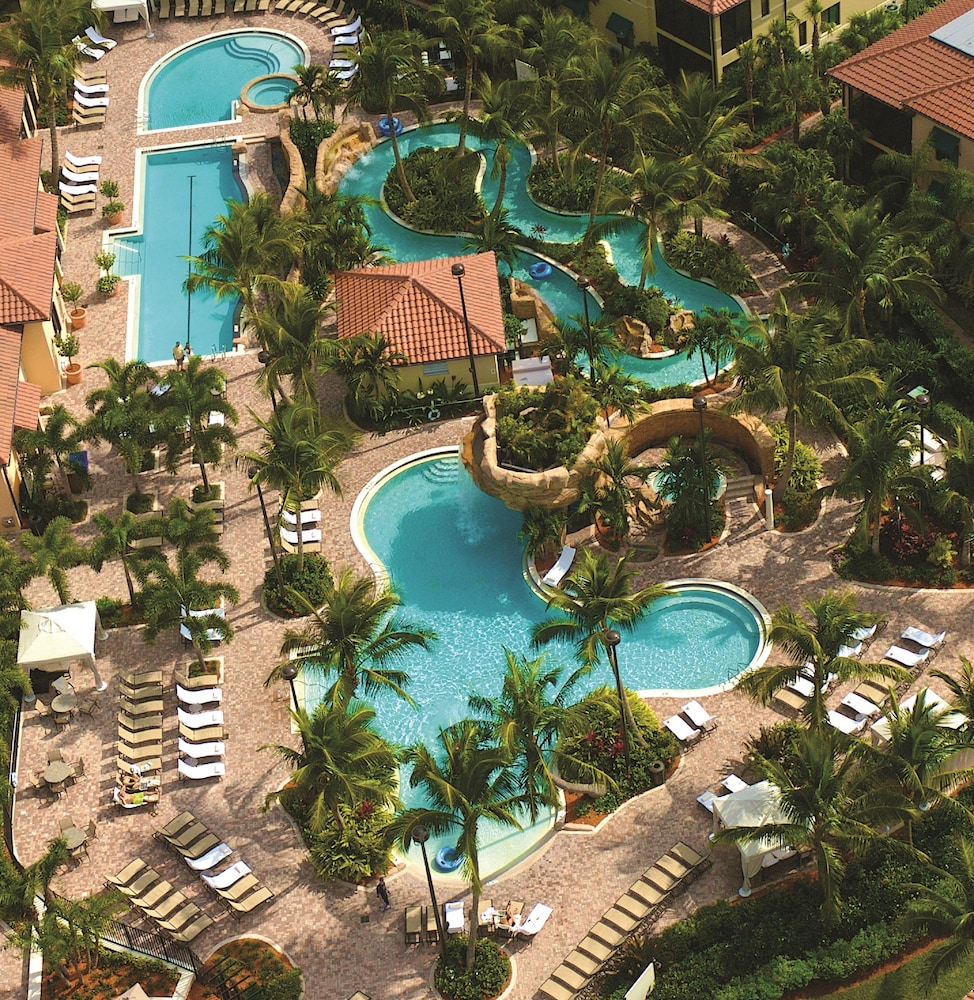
x,y
410,376
39,359
922,127
8,512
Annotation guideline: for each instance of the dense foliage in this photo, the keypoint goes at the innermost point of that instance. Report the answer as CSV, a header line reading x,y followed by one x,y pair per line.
x,y
355,853
311,582
308,134
488,977
446,200
566,190
712,259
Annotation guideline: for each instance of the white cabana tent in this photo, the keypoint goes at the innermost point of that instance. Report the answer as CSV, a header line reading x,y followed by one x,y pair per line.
x,y
755,805
53,638
126,10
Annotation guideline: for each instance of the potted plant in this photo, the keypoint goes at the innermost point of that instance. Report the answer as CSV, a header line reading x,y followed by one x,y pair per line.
x,y
71,292
113,208
68,346
107,284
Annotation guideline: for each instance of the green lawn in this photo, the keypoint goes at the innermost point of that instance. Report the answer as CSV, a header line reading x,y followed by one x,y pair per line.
x,y
908,982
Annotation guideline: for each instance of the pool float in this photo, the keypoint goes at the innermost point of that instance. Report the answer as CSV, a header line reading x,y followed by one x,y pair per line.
x,y
541,271
386,130
448,859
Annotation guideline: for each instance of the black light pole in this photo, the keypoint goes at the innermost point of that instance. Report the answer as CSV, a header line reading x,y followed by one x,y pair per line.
x,y
265,359
700,405
458,271
289,672
252,474
189,269
420,836
611,638
922,401
583,285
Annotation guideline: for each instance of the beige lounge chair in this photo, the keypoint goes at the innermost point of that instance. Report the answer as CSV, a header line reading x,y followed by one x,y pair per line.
x,y
194,929
145,677
206,734
137,709
128,874
249,903
414,924
176,825
186,835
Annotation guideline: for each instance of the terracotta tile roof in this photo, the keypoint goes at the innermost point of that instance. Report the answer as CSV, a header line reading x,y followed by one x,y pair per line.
x,y
416,306
713,7
28,237
11,110
19,401
909,70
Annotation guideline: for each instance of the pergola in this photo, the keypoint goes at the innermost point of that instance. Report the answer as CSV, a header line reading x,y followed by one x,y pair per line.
x,y
140,8
53,638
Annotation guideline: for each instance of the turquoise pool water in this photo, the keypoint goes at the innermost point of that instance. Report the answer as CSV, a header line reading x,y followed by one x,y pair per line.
x,y
198,84
367,175
453,555
270,92
156,253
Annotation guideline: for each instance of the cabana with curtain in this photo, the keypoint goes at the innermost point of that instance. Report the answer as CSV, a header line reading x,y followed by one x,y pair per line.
x,y
755,805
54,638
125,10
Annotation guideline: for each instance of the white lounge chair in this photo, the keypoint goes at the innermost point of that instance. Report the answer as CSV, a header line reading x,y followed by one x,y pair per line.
x,y
90,90
199,720
211,634
347,29
105,43
681,730
536,919
346,74
860,705
734,783
310,536
851,651
341,64
921,638
90,102
215,748
345,40
211,859
706,799
455,918
75,189
307,516
556,574
89,177
844,724
864,633
92,53
197,772
226,878
904,657
199,696
80,162
699,716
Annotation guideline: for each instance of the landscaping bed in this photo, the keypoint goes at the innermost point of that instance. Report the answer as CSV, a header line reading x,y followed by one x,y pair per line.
x,y
249,962
114,974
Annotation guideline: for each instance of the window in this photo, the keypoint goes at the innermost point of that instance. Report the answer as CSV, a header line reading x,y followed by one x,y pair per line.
x,y
831,15
765,8
434,368
946,146
803,33
735,27
687,23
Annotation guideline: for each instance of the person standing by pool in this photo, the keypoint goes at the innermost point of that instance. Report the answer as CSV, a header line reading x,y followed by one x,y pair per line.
x,y
179,356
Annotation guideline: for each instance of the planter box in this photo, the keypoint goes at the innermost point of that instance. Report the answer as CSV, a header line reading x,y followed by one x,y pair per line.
x,y
217,504
203,680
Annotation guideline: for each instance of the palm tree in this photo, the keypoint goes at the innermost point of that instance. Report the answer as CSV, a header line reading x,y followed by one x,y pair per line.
x,y
298,456
59,436
189,528
250,248
495,233
343,761
747,60
712,334
36,46
687,478
542,531
796,89
608,489
469,26
53,553
368,365
468,779
787,363
117,532
606,102
358,637
316,86
962,692
957,499
831,803
190,398
816,644
390,76
21,887
615,390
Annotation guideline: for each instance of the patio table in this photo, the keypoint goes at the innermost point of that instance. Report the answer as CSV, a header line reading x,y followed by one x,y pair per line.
x,y
57,772
75,837
64,702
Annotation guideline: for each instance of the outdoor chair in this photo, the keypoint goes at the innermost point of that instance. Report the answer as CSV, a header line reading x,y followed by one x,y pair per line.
x,y
413,923
536,919
140,708
44,712
90,51
689,856
348,29
199,751
638,908
684,733
607,934
54,755
239,889
193,930
89,90
65,823
197,720
135,723
904,657
926,639
844,723
176,825
432,931
199,696
139,885
209,859
185,836
455,918
222,881
37,779
661,878
140,692
485,921
163,901
98,39
140,679
195,844
88,706
182,918
248,905
79,768
699,717
199,772
80,162
92,831
205,734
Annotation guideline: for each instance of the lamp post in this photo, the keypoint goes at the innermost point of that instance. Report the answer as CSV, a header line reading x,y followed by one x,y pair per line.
x,y
420,836
189,270
922,402
289,672
583,286
252,474
458,271
265,359
700,405
611,638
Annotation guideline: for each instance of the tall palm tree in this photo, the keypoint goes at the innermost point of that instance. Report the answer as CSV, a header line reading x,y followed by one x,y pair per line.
x,y
190,399
116,533
748,59
961,690
787,363
467,780
50,444
496,233
53,553
712,334
796,90
358,637
957,498
816,643
35,42
369,367
608,488
343,760
21,887
318,87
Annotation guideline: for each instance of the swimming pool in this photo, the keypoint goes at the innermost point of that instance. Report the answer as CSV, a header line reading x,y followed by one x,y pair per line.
x,y
199,83
154,255
453,555
560,292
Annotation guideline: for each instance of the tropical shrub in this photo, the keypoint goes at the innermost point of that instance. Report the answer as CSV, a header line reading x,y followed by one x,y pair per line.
x,y
649,305
807,468
311,582
355,853
552,184
308,135
775,741
446,198
490,973
109,611
707,258
413,408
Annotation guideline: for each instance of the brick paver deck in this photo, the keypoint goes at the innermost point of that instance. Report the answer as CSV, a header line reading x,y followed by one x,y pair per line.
x,y
336,932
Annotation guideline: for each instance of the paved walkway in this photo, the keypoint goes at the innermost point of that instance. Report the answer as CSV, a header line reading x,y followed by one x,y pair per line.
x,y
336,932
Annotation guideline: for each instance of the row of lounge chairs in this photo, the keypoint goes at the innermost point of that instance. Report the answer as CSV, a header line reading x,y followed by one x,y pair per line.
x,y
324,12
199,759
159,900
90,97
644,901
691,724
139,744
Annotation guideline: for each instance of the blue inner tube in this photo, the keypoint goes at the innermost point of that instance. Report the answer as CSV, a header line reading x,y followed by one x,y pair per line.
x,y
386,130
541,270
448,859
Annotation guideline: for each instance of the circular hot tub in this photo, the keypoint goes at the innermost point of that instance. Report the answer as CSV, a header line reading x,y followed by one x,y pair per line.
x,y
268,93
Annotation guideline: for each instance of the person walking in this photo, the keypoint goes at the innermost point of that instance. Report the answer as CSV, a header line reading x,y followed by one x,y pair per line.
x,y
179,356
383,893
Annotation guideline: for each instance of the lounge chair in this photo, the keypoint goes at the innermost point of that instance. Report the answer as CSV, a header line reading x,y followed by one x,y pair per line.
x,y
139,885
683,732
185,835
432,931
73,190
414,924
904,657
160,899
860,705
80,162
345,40
205,734
699,717
91,90
140,692
248,905
689,856
637,908
130,872
557,573
594,947
618,917
485,921
647,892
289,539
226,878
706,799
536,919
90,102
340,64
198,751
607,934
790,699
175,923
347,29
198,772
556,990
199,696
92,53
97,39
854,651
193,930
455,918
844,724
197,720
138,679
139,729
137,709
89,116
664,880
240,888
346,74
72,205
209,859
926,639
